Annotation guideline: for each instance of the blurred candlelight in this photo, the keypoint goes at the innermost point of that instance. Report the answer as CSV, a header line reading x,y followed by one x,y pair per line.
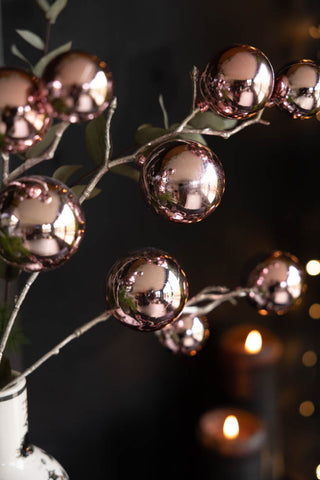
x,y
313,267
231,427
253,343
233,442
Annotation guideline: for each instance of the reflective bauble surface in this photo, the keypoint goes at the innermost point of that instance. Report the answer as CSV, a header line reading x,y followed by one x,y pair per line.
x,y
147,290
186,335
182,180
277,283
238,83
297,89
41,223
24,118
78,86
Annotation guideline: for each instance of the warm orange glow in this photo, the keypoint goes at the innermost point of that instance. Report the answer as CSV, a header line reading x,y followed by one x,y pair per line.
x,y
231,427
306,408
318,471
309,358
314,311
253,342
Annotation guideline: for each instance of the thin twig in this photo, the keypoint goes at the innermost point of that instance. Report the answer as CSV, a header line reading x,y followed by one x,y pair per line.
x,y
213,297
47,155
15,312
182,128
5,157
46,45
56,350
105,166
164,112
194,76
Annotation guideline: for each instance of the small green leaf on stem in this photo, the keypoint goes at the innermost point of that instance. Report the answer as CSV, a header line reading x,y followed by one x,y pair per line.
x,y
15,51
41,65
79,189
55,10
146,133
96,139
43,5
41,147
194,137
64,172
31,38
212,120
126,171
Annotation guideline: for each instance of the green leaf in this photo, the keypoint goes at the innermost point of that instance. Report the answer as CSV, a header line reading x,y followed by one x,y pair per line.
x,y
194,137
17,336
8,272
213,121
64,172
96,139
15,51
146,133
79,189
43,5
55,10
126,171
43,62
31,38
45,143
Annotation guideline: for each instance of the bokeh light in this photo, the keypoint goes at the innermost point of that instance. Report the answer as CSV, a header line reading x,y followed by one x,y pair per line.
x,y
309,358
313,267
314,311
306,408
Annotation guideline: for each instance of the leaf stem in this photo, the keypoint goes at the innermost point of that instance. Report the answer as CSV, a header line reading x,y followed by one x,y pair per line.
x,y
46,45
105,166
56,350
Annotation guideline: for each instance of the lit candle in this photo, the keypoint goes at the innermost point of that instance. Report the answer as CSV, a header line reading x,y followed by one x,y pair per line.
x,y
249,356
233,442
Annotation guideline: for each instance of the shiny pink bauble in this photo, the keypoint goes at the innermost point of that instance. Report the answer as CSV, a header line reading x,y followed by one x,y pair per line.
x,y
41,223
238,82
78,86
182,180
146,290
24,117
186,335
297,89
276,284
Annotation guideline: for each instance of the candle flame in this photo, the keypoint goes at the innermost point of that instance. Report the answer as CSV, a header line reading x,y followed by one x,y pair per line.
x,y
253,342
231,427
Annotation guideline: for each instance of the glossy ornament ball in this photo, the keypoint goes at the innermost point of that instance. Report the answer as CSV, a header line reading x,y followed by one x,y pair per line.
x,y
186,335
238,83
146,290
297,89
182,180
41,223
78,86
276,284
24,116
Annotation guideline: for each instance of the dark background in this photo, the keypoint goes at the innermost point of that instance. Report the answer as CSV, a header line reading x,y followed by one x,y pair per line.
x,y
115,404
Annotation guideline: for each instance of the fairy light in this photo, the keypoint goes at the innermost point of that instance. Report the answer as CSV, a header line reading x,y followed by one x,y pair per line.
x,y
253,342
318,472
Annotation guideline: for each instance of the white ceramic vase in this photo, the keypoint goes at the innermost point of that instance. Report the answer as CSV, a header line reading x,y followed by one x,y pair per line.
x,y
20,460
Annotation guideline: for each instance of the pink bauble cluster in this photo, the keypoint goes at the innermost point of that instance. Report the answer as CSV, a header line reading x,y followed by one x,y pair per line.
x,y
75,87
239,82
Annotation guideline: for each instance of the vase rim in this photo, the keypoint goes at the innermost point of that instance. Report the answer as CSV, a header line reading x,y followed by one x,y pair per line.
x,y
15,390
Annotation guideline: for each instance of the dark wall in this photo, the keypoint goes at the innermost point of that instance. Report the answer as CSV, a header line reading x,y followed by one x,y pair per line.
x,y
115,404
